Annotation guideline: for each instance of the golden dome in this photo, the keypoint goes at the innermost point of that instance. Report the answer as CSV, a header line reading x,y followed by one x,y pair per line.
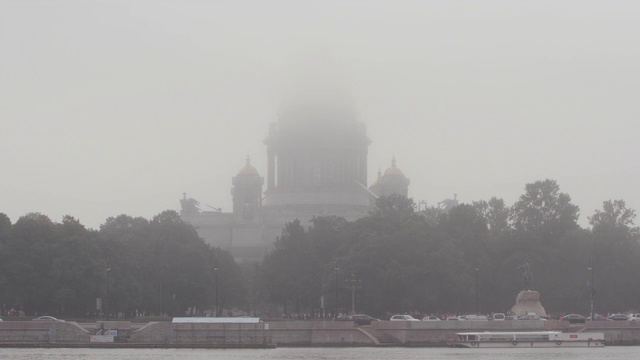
x,y
248,170
393,170
374,183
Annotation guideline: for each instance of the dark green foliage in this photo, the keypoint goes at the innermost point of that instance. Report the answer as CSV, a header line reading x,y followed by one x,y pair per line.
x,y
293,270
545,210
154,267
426,261
404,260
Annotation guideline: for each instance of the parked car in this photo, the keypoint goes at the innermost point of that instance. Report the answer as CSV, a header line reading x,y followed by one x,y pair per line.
x,y
498,317
46,318
510,317
344,318
574,319
403,318
597,317
477,318
634,317
431,318
530,316
619,317
455,318
362,319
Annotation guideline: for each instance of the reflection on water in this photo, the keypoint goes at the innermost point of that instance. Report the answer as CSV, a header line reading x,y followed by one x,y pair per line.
x,y
324,354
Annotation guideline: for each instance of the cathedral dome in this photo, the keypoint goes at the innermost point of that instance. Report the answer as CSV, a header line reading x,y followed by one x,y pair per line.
x,y
248,170
318,95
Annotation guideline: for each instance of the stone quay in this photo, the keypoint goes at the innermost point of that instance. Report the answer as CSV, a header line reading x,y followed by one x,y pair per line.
x,y
125,334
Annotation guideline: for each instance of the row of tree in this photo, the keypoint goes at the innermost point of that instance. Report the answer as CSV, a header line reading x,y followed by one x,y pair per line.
x,y
396,259
466,259
133,265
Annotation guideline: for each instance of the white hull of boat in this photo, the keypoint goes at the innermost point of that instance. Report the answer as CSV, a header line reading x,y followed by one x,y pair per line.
x,y
527,344
527,339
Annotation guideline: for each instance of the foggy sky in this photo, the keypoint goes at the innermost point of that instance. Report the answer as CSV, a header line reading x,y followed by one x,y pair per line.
x,y
121,106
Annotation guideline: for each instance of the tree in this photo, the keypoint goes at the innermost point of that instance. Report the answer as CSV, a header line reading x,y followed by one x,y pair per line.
x,y
163,267
127,251
614,214
614,254
544,209
28,258
325,236
5,229
232,287
496,213
393,207
293,269
75,269
5,223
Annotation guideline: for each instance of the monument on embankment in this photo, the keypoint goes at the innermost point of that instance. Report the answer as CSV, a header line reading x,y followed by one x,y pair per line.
x,y
528,301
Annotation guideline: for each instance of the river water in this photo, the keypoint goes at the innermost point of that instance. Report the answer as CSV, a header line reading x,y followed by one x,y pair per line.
x,y
617,352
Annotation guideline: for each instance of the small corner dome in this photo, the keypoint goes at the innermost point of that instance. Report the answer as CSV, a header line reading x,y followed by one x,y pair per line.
x,y
248,170
393,170
374,183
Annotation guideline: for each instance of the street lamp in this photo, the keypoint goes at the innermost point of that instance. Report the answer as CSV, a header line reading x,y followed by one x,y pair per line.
x,y
106,300
215,276
353,284
593,290
476,271
335,308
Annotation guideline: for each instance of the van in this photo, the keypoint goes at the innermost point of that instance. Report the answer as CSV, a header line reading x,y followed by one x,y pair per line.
x,y
498,317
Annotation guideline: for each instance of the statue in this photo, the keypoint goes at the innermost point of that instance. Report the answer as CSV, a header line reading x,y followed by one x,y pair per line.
x,y
527,276
528,301
448,204
189,206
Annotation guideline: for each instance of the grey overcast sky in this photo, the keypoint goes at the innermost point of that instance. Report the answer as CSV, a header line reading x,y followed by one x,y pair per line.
x,y
112,107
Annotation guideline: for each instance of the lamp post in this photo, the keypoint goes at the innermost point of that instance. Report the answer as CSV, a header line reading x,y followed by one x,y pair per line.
x,y
593,290
353,284
476,271
106,300
335,307
215,279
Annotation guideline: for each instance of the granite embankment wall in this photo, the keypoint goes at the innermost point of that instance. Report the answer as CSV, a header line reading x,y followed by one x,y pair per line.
x,y
201,333
439,332
42,332
382,333
297,333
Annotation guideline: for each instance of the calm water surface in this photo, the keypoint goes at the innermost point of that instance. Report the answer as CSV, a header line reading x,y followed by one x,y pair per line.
x,y
323,354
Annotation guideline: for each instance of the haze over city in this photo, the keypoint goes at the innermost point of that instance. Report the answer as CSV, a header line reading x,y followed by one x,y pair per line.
x,y
121,106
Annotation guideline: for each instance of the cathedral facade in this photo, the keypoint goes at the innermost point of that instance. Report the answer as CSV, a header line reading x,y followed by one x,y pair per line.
x,y
317,166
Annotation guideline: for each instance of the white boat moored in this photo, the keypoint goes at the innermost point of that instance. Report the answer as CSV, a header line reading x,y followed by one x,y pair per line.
x,y
489,339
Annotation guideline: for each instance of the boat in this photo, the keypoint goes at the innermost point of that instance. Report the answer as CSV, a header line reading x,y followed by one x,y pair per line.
x,y
513,339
